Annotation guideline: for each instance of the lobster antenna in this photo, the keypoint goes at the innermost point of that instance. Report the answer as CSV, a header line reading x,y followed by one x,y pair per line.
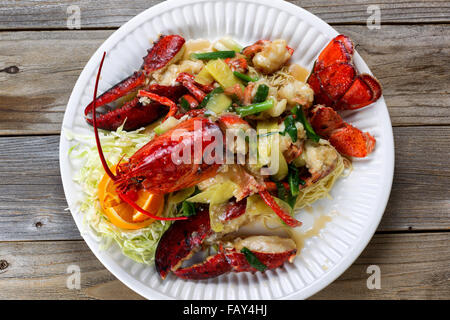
x,y
103,160
94,123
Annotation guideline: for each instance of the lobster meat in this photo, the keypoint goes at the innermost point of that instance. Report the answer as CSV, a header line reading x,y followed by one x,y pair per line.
x,y
338,86
184,238
167,50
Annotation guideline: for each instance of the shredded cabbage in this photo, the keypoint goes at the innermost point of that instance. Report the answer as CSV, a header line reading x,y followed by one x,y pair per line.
x,y
140,245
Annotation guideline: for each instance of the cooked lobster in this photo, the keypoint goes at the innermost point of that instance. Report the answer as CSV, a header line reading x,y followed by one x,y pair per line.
x,y
152,167
184,238
338,86
167,50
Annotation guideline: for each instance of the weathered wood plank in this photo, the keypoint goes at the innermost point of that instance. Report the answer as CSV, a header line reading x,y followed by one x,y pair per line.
x,y
412,62
113,13
33,100
420,194
32,202
412,267
40,270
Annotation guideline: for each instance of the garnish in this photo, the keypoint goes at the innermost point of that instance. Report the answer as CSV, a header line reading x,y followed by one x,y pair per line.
x,y
214,55
253,260
254,108
261,93
300,116
244,77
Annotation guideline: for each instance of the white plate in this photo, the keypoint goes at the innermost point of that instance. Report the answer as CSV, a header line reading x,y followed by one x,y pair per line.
x,y
358,200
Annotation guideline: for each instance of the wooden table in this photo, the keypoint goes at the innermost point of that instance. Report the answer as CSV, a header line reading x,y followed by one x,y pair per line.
x,y
410,55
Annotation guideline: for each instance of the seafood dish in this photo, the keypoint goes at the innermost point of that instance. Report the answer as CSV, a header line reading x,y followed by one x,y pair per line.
x,y
208,137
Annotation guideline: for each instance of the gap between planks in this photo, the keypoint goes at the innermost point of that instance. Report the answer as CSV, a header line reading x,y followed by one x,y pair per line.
x,y
33,202
50,63
412,267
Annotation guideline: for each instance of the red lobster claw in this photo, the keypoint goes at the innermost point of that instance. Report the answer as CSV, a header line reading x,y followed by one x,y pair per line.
x,y
137,114
183,238
179,241
230,259
165,51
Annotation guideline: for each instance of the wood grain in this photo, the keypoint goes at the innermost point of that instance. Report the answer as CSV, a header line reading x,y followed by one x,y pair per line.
x,y
32,202
113,13
412,267
412,63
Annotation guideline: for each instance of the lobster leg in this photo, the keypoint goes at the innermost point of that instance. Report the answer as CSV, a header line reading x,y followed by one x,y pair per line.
x,y
197,90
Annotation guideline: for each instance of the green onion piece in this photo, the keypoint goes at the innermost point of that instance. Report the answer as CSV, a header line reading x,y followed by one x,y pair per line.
x,y
254,108
261,93
253,260
294,180
281,190
185,104
209,96
290,128
300,115
187,209
244,77
291,200
214,55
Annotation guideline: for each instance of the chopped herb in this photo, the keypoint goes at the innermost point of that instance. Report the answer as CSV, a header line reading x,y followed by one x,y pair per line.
x,y
244,77
187,209
294,180
285,196
261,93
214,55
253,260
300,116
254,108
281,190
290,128
291,200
